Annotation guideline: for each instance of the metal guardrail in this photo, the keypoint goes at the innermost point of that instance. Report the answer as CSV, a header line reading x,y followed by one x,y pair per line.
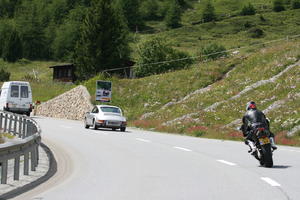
x,y
26,142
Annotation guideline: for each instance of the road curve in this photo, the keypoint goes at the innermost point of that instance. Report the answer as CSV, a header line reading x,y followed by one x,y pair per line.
x,y
141,165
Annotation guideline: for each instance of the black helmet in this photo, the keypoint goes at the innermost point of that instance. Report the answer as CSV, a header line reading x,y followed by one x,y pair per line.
x,y
251,105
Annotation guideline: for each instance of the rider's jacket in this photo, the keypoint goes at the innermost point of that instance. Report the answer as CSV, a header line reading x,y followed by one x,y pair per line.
x,y
254,118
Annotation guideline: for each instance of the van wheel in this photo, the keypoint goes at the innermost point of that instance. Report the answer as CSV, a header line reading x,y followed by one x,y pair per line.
x,y
28,114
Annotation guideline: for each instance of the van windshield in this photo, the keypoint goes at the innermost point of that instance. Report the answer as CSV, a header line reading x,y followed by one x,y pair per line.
x,y
24,92
14,91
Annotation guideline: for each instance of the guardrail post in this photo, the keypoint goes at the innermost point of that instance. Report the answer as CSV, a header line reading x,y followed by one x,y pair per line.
x,y
15,124
10,123
37,154
29,128
26,163
4,172
1,117
24,128
33,159
20,127
5,122
17,168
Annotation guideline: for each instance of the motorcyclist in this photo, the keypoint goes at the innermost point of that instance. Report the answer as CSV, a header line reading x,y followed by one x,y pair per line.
x,y
254,118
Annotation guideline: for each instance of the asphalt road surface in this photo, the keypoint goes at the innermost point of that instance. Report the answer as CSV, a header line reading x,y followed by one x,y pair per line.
x,y
141,165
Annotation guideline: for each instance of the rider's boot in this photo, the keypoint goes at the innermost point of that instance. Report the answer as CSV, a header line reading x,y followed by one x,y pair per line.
x,y
252,146
273,145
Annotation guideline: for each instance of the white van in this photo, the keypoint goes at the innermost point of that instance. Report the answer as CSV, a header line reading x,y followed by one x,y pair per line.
x,y
16,96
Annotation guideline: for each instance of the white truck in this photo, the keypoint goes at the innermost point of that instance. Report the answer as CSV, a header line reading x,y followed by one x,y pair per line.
x,y
16,96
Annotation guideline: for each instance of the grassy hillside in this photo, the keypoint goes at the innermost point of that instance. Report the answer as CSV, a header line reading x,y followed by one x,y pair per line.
x,y
208,113
39,75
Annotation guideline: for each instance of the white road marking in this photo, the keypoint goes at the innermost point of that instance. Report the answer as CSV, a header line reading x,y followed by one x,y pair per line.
x,y
270,181
226,162
68,127
183,149
291,150
143,140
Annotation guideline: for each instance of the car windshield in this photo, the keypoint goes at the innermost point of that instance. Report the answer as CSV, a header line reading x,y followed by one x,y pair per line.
x,y
110,109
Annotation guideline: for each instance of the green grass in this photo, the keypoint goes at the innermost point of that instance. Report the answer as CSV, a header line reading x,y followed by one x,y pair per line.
x,y
43,88
150,94
5,135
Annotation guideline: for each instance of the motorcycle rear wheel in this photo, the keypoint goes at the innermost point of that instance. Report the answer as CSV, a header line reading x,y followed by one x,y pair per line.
x,y
266,159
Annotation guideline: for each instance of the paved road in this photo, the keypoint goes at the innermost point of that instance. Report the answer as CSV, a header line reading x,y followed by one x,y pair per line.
x,y
141,165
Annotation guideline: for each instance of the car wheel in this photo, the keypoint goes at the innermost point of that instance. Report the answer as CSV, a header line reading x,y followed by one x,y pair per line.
x,y
85,124
114,129
94,125
123,129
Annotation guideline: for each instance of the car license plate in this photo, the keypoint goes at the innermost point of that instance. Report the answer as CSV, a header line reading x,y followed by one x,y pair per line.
x,y
263,141
113,123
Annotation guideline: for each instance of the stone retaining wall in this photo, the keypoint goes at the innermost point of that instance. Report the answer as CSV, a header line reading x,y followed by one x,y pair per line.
x,y
70,105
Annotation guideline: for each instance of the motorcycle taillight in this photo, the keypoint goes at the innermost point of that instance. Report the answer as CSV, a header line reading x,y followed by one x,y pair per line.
x,y
261,129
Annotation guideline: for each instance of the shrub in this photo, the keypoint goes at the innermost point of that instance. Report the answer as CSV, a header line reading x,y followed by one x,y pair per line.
x,y
209,13
248,24
213,51
149,9
4,75
296,4
256,33
156,50
278,6
248,10
173,15
262,18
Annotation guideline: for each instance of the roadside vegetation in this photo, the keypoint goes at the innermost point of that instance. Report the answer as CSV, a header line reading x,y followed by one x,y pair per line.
x,y
195,62
5,135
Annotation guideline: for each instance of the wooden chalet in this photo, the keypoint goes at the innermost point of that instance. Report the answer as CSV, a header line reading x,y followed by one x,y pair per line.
x,y
64,72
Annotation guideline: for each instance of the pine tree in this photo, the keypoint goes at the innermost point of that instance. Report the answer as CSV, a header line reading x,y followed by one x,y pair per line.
x,y
131,11
209,13
12,50
32,33
103,43
173,15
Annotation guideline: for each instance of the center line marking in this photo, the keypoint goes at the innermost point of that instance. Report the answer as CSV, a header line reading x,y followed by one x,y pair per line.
x,y
183,149
143,140
270,181
68,127
226,162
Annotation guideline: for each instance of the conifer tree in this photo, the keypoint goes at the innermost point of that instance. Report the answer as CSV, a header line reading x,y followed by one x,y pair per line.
x,y
131,11
209,13
173,15
103,43
12,50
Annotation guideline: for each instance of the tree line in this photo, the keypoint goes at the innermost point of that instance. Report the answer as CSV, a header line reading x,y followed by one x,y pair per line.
x,y
94,34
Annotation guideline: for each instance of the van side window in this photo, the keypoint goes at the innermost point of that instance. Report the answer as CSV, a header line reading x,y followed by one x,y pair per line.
x,y
24,92
14,92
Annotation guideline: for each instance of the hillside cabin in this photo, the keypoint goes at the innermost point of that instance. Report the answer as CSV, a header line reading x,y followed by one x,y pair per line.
x,y
64,72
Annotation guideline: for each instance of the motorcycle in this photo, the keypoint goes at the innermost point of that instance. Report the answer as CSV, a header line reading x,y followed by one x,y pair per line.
x,y
264,152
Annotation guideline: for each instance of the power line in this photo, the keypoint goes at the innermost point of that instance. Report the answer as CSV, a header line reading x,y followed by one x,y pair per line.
x,y
194,57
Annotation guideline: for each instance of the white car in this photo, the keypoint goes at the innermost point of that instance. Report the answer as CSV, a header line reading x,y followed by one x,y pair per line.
x,y
105,116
